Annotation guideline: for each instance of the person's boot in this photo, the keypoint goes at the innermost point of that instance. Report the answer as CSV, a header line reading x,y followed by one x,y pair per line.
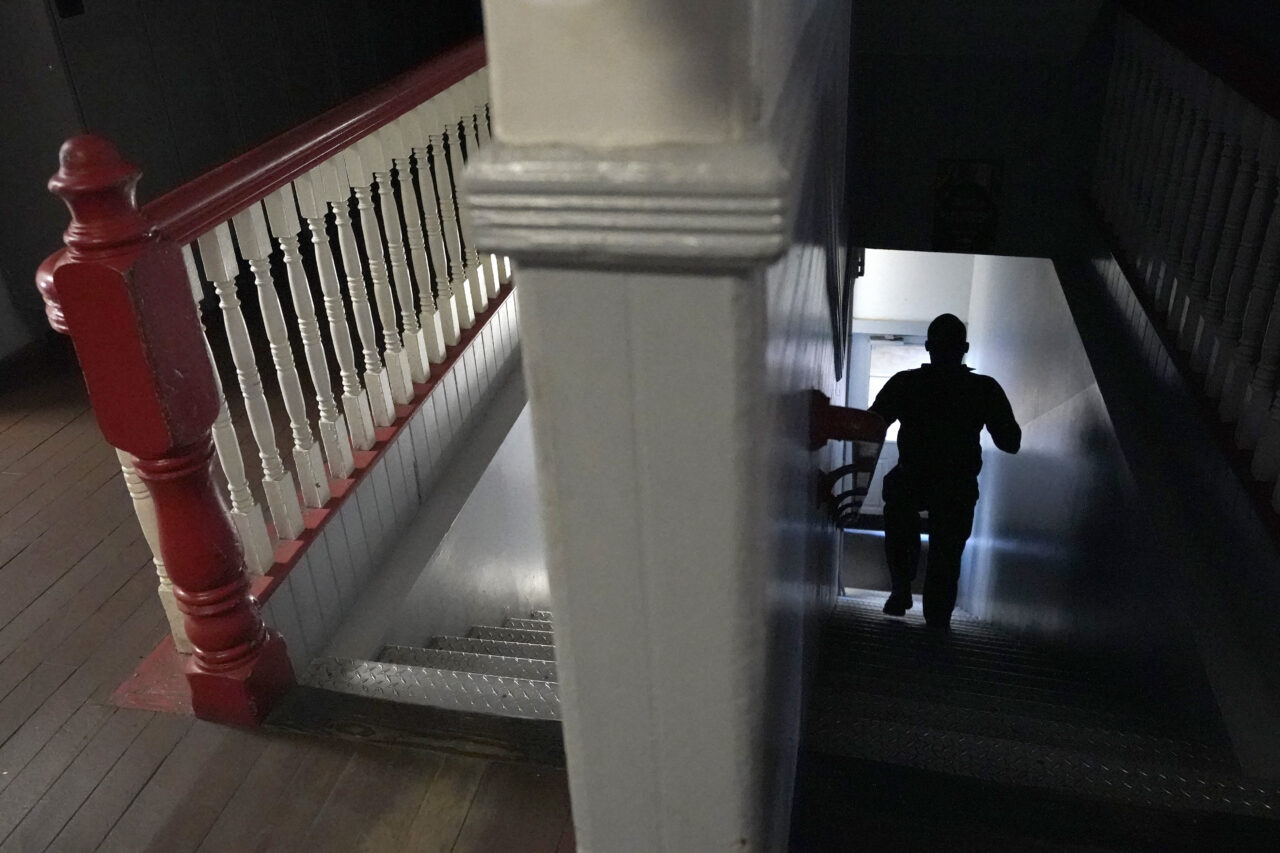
x,y
898,603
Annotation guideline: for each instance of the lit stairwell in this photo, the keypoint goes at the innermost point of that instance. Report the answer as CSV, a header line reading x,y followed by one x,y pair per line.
x,y
492,693
980,740
507,671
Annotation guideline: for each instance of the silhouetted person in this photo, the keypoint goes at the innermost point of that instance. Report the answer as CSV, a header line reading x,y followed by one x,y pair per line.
x,y
943,407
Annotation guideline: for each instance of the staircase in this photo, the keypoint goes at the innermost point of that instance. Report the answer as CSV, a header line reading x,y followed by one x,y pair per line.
x,y
492,693
980,740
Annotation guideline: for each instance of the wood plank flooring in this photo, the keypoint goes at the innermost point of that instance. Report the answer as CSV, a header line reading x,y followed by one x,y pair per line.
x,y
78,612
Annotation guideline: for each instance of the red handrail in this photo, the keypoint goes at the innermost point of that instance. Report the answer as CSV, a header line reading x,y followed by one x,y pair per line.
x,y
183,214
1237,65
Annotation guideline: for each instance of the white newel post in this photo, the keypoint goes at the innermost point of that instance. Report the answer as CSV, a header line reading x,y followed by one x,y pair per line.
x,y
647,186
218,254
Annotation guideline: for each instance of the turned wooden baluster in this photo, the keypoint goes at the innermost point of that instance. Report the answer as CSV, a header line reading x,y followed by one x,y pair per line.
x,y
378,158
360,177
246,512
1239,370
1254,238
1152,261
144,507
1126,117
1172,150
396,141
1156,146
123,294
218,254
478,87
1145,142
282,218
255,247
440,135
461,130
331,184
355,400
1231,240
1108,144
1211,165
445,304
1189,173
1189,325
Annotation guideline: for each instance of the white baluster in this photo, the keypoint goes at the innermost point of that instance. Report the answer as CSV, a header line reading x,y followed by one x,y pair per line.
x,y
282,217
331,184
246,512
1258,225
1126,114
444,307
360,177
463,133
355,401
1206,250
441,170
144,507
1257,311
1240,209
1172,150
1157,146
1259,427
478,87
1211,164
219,257
250,228
1152,262
1144,141
400,142
1189,172
390,145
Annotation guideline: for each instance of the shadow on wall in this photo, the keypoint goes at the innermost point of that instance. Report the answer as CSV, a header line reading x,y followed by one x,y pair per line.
x,y
1063,546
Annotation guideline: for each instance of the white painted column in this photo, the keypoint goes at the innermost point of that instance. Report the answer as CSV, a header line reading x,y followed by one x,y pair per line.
x,y
145,509
646,181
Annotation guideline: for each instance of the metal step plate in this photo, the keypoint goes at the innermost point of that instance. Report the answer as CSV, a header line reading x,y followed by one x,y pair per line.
x,y
512,635
543,615
439,688
534,651
528,624
539,670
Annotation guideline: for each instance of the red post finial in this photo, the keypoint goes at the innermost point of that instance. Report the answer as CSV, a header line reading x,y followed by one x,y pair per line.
x,y
49,293
99,188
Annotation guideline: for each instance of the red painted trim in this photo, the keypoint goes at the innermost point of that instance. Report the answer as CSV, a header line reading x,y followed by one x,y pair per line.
x,y
1241,67
290,551
192,209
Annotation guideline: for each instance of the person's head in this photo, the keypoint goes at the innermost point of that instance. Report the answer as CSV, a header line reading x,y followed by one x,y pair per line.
x,y
946,341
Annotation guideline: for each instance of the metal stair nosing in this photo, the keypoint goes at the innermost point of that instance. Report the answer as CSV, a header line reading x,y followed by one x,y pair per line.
x,y
515,667
529,624
512,635
439,688
534,651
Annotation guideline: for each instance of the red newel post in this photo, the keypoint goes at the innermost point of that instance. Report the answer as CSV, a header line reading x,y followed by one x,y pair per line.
x,y
121,293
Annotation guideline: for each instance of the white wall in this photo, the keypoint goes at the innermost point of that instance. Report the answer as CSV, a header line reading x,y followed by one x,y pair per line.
x,y
913,286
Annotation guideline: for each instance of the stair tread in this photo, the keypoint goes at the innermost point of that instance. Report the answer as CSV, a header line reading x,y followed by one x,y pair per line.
x,y
535,651
470,662
512,635
463,691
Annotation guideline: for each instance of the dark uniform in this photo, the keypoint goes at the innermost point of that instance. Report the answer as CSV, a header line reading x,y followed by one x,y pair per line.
x,y
943,409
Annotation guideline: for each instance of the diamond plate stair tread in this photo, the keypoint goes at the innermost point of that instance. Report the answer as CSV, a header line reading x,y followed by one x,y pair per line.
x,y
827,720
1002,760
530,624
511,635
868,650
533,651
544,615
513,667
439,688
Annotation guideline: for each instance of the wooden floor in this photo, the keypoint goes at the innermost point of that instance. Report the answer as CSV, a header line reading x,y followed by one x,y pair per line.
x,y
78,611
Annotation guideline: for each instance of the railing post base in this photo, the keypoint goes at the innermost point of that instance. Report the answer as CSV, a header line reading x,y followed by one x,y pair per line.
x,y
242,696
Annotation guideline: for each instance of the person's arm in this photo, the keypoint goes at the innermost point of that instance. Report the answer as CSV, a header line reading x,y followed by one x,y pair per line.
x,y
1000,422
888,403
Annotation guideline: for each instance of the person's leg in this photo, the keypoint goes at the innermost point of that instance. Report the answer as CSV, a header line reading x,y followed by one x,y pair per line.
x,y
902,552
950,524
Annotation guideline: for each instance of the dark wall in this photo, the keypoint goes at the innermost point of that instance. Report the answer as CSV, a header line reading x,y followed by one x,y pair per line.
x,y
182,85
1012,83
